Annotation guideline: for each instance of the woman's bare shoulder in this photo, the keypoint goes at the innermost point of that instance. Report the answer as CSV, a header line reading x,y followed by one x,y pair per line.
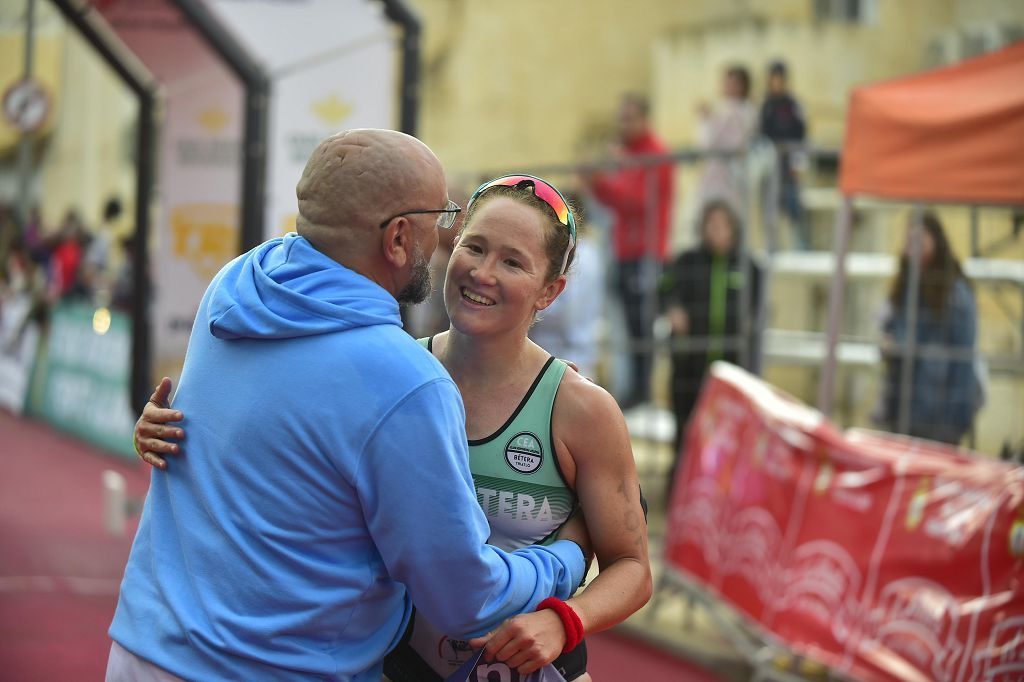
x,y
586,412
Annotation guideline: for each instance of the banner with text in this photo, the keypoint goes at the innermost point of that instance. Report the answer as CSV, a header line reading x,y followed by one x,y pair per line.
x,y
340,75
200,165
886,558
81,376
19,340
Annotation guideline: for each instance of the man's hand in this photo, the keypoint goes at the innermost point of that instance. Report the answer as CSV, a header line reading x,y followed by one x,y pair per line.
x,y
576,368
526,642
575,529
150,430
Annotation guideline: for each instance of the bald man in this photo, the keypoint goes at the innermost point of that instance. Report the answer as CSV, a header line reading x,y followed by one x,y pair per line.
x,y
324,485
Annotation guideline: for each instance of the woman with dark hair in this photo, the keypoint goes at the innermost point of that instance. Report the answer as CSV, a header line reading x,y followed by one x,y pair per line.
x,y
943,394
702,292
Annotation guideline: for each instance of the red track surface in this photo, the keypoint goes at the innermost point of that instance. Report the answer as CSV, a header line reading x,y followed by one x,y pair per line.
x,y
59,569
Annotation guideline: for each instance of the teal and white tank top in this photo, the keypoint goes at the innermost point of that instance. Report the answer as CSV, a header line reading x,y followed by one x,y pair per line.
x,y
521,489
519,483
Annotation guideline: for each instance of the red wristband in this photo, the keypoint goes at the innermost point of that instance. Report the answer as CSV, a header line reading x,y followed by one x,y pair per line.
x,y
570,621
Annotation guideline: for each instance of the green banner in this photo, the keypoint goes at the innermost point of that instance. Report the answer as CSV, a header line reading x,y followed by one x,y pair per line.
x,y
83,374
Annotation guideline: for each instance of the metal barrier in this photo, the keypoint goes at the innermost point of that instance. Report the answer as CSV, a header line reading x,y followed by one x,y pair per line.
x,y
754,341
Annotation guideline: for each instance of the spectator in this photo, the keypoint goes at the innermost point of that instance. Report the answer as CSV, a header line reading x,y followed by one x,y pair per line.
x,y
123,285
729,127
33,231
66,259
702,291
22,296
782,122
640,197
9,232
944,390
570,327
96,264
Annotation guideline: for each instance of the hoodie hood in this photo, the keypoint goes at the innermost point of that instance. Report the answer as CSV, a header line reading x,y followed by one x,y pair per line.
x,y
285,288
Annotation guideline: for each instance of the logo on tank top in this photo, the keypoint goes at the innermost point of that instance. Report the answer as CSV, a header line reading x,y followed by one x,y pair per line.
x,y
454,652
524,453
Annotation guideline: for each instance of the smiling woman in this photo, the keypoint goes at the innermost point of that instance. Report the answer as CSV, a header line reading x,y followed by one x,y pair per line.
x,y
493,268
544,443
533,191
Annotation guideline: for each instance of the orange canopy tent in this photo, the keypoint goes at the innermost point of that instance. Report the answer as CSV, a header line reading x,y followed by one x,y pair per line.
x,y
955,134
951,135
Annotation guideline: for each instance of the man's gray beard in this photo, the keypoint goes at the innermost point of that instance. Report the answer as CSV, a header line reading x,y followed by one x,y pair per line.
x,y
421,284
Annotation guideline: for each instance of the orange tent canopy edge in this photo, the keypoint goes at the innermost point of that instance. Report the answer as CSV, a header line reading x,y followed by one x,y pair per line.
x,y
954,134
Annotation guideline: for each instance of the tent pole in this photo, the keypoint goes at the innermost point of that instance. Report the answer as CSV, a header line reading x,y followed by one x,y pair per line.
x,y
751,329
649,274
826,387
910,300
975,248
400,13
27,142
770,211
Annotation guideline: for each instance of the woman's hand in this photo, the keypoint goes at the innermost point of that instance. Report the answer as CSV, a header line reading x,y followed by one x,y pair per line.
x,y
150,431
526,642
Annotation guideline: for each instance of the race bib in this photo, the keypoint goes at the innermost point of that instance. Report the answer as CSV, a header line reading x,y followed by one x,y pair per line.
x,y
478,670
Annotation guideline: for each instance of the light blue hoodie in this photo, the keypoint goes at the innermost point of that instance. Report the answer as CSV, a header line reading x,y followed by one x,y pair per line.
x,y
324,482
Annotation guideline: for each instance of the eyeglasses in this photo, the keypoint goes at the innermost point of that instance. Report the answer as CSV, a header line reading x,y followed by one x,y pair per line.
x,y
544,191
444,221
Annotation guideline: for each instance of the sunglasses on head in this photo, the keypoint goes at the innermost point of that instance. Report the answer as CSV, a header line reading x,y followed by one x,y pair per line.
x,y
544,191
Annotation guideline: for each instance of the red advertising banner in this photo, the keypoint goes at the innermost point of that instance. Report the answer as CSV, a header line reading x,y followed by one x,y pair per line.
x,y
886,558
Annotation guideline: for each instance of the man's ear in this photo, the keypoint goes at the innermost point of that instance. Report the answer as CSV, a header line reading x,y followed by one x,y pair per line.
x,y
549,293
396,242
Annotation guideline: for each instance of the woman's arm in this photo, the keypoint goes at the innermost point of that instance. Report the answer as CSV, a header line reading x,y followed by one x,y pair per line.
x,y
150,430
961,389
589,426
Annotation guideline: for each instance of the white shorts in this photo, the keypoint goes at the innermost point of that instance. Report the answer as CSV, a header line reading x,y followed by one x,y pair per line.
x,y
124,666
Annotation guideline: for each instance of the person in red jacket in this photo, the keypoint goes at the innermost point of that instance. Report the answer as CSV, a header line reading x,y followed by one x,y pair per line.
x,y
66,258
640,198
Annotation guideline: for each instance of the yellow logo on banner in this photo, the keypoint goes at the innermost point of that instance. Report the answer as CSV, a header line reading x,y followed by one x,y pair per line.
x,y
332,110
915,510
760,449
823,479
205,236
1017,535
287,224
213,120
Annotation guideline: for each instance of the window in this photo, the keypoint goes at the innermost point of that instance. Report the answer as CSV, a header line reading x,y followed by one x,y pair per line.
x,y
846,11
